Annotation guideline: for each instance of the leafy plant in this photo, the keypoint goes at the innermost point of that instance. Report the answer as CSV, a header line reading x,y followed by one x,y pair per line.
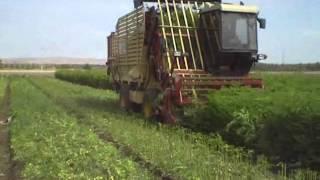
x,y
175,150
90,77
280,121
52,145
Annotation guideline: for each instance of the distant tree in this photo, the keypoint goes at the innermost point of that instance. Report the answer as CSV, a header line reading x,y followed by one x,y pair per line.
x,y
287,67
87,67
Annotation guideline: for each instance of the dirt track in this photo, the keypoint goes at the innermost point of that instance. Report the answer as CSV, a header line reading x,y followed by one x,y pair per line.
x,y
7,171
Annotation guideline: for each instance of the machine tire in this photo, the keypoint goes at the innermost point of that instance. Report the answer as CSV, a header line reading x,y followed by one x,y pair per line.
x,y
124,100
243,68
135,107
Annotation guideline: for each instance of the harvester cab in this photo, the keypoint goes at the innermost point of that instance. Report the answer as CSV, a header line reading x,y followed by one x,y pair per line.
x,y
229,31
166,53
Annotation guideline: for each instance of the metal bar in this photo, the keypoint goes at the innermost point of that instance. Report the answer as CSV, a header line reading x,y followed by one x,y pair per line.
x,y
182,0
199,89
188,33
185,27
208,38
198,44
140,40
180,34
191,71
196,33
127,37
172,32
222,78
215,31
183,35
164,34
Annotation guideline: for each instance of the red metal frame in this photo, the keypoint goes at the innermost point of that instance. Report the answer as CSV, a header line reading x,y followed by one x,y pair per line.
x,y
200,80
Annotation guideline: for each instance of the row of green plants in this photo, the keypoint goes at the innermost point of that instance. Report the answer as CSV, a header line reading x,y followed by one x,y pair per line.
x,y
96,78
281,121
2,86
179,151
50,144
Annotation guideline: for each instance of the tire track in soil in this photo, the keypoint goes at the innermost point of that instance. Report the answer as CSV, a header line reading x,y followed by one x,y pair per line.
x,y
8,167
107,137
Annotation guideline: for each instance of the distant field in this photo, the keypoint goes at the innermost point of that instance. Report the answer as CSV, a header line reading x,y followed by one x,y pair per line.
x,y
28,72
54,60
62,130
253,118
287,72
68,129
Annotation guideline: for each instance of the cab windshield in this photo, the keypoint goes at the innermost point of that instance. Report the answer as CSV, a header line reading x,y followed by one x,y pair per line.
x,y
239,31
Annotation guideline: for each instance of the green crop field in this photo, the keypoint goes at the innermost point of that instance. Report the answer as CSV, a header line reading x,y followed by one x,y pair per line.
x,y
281,121
94,78
62,130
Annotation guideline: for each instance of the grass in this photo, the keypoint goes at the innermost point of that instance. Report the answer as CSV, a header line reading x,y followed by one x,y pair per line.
x,y
281,121
51,145
3,83
96,78
176,150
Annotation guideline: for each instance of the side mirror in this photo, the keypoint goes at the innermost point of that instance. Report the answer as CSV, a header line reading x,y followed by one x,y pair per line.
x,y
261,57
262,22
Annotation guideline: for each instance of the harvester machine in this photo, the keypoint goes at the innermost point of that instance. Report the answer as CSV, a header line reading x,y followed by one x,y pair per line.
x,y
169,53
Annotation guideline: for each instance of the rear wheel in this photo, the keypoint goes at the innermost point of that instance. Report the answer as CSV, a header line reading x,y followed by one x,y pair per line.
x,y
135,107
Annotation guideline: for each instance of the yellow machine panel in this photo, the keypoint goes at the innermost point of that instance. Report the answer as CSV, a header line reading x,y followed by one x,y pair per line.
x,y
127,51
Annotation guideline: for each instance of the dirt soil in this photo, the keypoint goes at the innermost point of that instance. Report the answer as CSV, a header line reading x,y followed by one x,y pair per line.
x,y
7,171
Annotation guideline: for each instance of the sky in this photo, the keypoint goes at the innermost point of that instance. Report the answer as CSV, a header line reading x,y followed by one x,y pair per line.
x,y
78,28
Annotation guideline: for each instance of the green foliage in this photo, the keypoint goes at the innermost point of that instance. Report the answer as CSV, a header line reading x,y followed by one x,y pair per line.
x,y
176,150
90,77
87,67
52,145
287,67
2,86
281,121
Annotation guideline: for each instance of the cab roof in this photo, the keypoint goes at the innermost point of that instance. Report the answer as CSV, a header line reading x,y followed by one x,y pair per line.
x,y
229,8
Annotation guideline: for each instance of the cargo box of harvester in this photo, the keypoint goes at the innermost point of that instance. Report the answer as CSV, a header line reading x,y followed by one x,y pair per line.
x,y
167,53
